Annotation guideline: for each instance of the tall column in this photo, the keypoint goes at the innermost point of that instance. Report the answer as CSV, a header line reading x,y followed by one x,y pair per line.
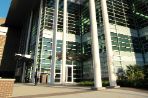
x,y
64,41
29,31
112,76
54,45
37,40
27,45
95,46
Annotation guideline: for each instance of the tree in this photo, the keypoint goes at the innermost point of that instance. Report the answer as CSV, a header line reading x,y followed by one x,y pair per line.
x,y
58,55
71,56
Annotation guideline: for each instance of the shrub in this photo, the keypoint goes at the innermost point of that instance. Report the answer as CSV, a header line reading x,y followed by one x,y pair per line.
x,y
91,83
135,76
105,83
145,72
134,72
86,83
133,83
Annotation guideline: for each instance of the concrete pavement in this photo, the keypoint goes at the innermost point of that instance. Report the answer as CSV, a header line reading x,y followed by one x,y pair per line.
x,y
46,91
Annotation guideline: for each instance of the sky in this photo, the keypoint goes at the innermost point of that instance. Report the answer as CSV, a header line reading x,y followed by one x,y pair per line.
x,y
4,7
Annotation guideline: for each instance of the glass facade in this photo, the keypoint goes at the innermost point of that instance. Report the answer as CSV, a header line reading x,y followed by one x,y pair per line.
x,y
128,23
73,47
120,16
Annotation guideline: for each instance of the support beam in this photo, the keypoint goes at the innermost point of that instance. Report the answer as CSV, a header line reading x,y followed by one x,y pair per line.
x,y
27,45
37,41
112,76
64,41
54,45
95,46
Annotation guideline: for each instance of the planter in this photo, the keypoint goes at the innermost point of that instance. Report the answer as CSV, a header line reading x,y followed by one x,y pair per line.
x,y
6,87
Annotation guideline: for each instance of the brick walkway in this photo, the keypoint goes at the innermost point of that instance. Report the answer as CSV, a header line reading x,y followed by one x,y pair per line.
x,y
45,91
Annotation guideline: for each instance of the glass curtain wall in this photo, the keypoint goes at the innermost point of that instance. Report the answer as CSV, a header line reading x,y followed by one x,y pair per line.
x,y
45,42
140,10
124,34
128,21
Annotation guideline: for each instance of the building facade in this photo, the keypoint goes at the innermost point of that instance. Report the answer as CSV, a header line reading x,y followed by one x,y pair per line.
x,y
70,41
3,31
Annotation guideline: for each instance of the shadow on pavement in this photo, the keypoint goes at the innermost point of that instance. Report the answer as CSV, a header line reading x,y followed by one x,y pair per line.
x,y
53,94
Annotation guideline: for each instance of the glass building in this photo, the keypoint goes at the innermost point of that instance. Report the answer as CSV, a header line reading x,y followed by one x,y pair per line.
x,y
70,40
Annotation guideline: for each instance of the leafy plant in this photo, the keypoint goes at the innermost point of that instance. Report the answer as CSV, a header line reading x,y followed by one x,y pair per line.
x,y
134,72
135,76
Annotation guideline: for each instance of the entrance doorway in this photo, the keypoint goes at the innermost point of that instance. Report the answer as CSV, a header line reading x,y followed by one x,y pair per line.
x,y
69,74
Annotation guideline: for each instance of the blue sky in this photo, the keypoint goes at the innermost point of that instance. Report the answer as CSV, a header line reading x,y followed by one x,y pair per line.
x,y
4,7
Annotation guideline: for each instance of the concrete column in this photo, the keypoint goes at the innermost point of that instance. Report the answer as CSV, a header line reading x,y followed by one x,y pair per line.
x,y
28,36
64,41
41,9
27,43
54,44
95,46
23,74
112,76
37,41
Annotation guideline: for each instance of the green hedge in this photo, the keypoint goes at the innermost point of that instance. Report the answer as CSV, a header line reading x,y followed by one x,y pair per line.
x,y
86,83
123,83
133,83
91,83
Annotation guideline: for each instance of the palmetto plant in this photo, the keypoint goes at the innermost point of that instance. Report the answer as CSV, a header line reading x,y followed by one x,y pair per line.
x,y
134,72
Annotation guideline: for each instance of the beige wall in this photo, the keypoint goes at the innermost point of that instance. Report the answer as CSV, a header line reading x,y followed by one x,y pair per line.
x,y
2,21
2,44
3,31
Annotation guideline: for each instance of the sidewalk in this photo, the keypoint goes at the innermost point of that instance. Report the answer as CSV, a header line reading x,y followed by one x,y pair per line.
x,y
46,91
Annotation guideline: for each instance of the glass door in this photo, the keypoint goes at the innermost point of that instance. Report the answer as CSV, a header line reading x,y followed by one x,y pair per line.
x,y
69,74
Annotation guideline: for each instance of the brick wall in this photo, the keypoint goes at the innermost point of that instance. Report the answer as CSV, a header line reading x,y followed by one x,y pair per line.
x,y
6,87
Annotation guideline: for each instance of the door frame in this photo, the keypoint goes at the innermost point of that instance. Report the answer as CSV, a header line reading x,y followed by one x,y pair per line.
x,y
66,73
